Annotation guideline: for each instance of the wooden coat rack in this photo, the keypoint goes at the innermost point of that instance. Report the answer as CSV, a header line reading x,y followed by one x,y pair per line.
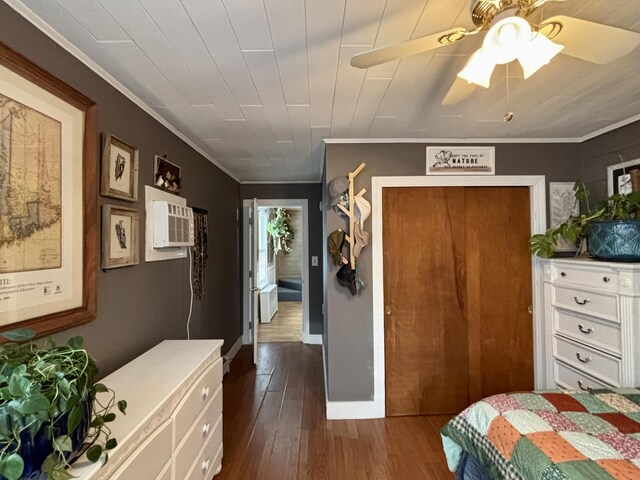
x,y
351,214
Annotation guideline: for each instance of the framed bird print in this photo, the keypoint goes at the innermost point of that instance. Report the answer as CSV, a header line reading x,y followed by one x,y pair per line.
x,y
119,169
120,232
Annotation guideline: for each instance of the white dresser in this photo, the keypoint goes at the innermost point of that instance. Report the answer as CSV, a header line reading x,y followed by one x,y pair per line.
x,y
592,323
173,426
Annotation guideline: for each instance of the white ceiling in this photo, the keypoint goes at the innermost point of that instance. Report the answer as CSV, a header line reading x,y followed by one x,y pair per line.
x,y
257,84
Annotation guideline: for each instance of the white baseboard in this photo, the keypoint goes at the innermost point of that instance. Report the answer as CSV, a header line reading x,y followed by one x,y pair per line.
x,y
352,410
312,339
230,355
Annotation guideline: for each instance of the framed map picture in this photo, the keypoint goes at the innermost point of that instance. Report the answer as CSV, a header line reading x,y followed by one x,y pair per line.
x,y
120,233
119,177
48,197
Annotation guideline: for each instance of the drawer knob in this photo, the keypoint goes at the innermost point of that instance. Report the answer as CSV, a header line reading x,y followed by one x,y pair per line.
x,y
606,279
581,302
582,387
205,429
583,359
563,274
205,393
586,331
205,466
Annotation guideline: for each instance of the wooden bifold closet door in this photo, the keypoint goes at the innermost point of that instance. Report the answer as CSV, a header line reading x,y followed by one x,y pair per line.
x,y
457,286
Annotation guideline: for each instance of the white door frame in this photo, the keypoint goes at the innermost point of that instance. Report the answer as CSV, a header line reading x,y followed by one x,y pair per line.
x,y
303,204
537,189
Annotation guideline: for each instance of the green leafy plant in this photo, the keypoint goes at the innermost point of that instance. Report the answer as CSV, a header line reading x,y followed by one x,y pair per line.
x,y
575,228
281,232
48,390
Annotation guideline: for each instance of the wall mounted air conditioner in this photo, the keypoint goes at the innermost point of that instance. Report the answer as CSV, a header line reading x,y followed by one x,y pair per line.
x,y
172,225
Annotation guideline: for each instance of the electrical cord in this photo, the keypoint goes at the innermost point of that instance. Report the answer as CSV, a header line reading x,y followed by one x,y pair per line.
x,y
191,288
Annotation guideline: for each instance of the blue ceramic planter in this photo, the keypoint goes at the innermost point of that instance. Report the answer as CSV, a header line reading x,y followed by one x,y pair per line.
x,y
35,449
617,241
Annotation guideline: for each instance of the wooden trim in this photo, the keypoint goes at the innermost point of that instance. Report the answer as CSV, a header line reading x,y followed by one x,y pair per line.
x,y
352,410
55,322
536,185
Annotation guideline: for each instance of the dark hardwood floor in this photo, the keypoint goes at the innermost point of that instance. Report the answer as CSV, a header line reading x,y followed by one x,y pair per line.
x,y
275,427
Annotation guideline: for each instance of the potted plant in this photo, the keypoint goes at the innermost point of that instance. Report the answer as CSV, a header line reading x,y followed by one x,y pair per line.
x,y
281,231
611,230
49,412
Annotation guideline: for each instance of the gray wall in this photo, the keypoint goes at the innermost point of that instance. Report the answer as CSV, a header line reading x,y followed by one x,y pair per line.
x,y
349,324
313,193
140,306
620,145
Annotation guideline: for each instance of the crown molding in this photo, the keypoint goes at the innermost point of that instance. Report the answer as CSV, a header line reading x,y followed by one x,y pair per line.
x,y
451,140
610,128
269,182
62,41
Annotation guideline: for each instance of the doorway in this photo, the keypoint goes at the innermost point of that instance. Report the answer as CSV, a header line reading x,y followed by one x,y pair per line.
x,y
282,279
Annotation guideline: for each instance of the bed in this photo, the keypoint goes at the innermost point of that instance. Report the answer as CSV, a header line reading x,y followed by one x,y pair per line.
x,y
547,435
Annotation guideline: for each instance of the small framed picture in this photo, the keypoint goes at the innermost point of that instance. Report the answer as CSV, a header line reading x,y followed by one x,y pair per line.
x,y
167,175
619,176
562,204
120,236
119,177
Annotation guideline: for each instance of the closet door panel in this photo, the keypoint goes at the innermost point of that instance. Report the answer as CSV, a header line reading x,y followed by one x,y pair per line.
x,y
424,282
498,282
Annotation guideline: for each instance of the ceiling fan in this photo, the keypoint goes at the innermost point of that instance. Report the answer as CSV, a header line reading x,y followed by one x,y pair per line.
x,y
512,35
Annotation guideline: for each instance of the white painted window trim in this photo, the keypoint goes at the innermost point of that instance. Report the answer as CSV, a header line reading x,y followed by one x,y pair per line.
x,y
537,187
303,204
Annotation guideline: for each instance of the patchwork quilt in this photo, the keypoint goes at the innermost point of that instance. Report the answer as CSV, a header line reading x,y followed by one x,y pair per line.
x,y
551,435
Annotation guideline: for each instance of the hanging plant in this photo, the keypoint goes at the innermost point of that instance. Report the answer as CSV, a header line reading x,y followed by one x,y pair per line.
x,y
281,232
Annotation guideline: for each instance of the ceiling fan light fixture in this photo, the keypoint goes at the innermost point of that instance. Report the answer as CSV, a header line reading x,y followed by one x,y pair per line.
x,y
506,39
478,69
537,53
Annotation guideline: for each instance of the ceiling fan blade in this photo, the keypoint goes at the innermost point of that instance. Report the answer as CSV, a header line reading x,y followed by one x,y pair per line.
x,y
410,47
593,42
459,91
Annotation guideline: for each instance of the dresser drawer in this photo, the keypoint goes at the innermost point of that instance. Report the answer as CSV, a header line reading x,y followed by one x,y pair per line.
x,y
209,460
208,425
569,378
602,278
196,399
599,334
594,363
598,304
148,460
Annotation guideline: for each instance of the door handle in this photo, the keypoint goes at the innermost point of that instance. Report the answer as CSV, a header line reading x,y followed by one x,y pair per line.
x,y
254,290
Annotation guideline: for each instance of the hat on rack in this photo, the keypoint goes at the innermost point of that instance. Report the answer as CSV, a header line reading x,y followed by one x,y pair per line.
x,y
363,210
347,278
337,187
362,239
335,243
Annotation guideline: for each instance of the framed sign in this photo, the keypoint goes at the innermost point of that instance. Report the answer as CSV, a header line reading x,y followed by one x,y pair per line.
x,y
48,200
461,161
120,234
119,177
619,176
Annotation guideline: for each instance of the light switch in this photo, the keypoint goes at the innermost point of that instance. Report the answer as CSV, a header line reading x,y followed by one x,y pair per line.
x,y
314,261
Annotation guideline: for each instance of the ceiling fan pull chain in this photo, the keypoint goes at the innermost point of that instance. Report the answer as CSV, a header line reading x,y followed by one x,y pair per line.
x,y
509,115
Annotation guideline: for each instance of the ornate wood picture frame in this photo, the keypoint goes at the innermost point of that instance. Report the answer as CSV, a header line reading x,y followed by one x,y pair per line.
x,y
119,173
120,236
48,233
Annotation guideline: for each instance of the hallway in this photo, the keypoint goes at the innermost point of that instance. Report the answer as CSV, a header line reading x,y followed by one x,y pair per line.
x,y
275,427
285,326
